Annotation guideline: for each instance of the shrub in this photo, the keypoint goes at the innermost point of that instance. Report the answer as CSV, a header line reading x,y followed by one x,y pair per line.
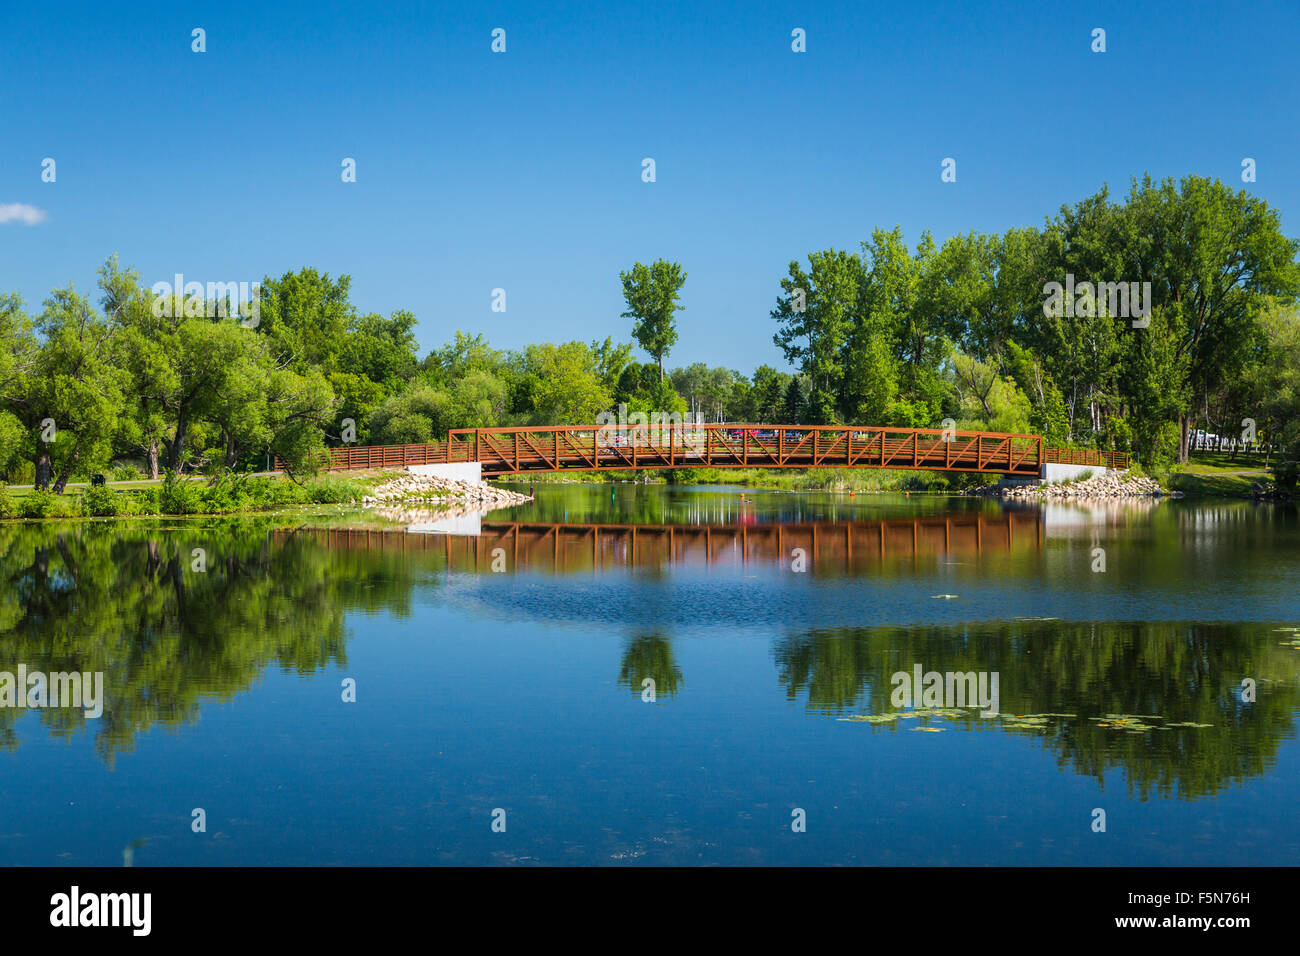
x,y
333,491
278,494
225,492
179,497
22,473
101,503
1161,448
143,502
6,503
39,504
124,473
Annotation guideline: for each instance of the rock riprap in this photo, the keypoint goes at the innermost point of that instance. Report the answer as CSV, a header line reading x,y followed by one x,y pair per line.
x,y
1105,485
430,489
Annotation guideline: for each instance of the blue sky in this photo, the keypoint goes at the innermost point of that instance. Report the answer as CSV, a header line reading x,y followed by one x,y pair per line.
x,y
522,170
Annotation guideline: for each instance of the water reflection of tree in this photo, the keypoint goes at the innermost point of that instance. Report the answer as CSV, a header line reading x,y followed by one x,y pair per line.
x,y
1182,673
125,600
650,655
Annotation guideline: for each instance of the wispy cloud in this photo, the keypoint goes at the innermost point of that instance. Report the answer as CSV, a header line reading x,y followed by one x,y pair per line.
x,y
20,212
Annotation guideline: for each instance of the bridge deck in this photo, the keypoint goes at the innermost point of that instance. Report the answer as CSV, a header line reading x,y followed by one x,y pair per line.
x,y
533,449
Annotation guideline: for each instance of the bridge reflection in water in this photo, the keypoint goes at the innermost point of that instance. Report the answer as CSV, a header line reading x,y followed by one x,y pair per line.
x,y
828,546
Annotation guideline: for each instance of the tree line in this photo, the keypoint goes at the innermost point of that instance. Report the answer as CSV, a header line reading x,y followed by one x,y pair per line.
x,y
899,336
887,335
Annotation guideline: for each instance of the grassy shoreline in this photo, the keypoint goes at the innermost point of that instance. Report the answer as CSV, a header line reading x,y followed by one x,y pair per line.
x,y
1216,478
221,495
236,495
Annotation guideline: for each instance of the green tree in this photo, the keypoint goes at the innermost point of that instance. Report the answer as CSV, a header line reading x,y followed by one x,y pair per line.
x,y
813,337
18,350
144,344
307,316
1047,415
563,384
1269,390
638,380
459,356
987,400
424,412
380,349
611,361
768,392
75,389
652,293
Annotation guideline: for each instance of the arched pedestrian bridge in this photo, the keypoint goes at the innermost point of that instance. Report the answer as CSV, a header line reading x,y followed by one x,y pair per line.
x,y
530,449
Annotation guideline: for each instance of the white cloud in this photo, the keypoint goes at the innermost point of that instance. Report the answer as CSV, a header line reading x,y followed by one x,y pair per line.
x,y
20,212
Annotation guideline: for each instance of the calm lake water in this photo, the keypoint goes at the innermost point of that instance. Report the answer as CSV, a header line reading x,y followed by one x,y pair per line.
x,y
506,666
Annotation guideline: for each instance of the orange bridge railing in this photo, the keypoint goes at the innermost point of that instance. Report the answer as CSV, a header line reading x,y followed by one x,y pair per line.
x,y
526,449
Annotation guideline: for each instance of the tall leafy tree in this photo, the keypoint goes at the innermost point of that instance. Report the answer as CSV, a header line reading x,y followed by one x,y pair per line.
x,y
768,392
817,316
307,315
144,344
652,293
1217,258
77,392
18,351
564,384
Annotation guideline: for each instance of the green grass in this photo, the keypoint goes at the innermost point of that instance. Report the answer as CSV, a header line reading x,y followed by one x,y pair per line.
x,y
227,494
73,487
1217,468
1213,484
1225,462
1214,475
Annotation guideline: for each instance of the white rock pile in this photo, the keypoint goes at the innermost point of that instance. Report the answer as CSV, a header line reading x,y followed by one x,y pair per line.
x,y
444,491
1108,484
